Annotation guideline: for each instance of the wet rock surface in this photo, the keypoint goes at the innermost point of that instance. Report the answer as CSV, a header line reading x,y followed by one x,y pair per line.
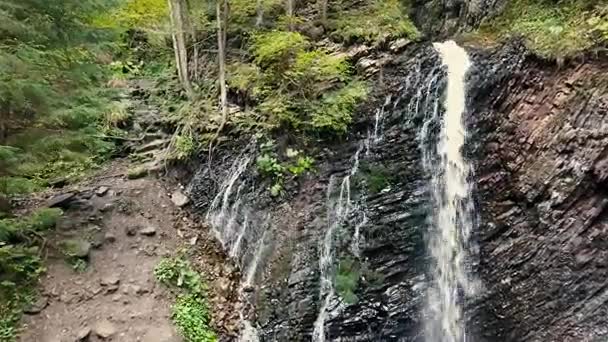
x,y
539,147
542,148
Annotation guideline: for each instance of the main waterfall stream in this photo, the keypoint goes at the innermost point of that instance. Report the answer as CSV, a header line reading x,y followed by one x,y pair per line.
x,y
452,217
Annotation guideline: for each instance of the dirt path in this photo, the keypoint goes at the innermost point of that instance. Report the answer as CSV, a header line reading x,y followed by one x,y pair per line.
x,y
129,226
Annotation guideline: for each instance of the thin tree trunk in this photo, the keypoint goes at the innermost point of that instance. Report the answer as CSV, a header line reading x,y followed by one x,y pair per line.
x,y
178,35
221,56
290,12
194,56
323,11
259,21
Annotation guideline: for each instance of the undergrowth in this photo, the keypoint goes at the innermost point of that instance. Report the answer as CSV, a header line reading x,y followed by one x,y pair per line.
x,y
553,29
353,275
377,22
20,265
293,165
190,313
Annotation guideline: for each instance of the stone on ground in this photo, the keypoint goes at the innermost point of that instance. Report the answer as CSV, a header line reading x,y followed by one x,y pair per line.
x,y
148,231
104,329
179,198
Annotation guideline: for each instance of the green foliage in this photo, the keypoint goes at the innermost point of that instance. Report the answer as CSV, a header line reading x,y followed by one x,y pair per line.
x,y
13,300
302,165
20,265
49,155
376,177
275,48
347,280
179,272
552,28
17,185
243,13
300,87
243,77
51,76
137,172
334,112
192,318
19,229
268,165
191,311
140,14
116,116
78,265
376,22
184,146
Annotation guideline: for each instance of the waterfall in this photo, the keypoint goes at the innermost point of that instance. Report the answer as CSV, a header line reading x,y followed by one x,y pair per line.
x,y
223,218
248,332
338,211
230,220
452,218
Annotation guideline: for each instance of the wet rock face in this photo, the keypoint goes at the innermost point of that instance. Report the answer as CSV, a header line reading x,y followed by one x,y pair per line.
x,y
542,150
389,190
441,18
539,142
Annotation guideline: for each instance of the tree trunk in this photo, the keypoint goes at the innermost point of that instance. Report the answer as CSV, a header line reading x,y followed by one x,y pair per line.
x,y
259,21
222,13
178,34
323,11
290,8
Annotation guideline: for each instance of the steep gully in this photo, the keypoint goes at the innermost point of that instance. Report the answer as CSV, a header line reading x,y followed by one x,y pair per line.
x,y
417,242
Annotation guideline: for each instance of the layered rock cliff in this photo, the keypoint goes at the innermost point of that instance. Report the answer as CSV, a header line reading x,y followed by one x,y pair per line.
x,y
541,136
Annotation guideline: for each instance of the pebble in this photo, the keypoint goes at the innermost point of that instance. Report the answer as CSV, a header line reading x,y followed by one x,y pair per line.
x,y
148,231
102,190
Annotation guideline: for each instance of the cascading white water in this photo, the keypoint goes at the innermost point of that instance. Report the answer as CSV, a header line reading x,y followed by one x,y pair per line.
x,y
248,332
223,218
337,213
224,215
452,218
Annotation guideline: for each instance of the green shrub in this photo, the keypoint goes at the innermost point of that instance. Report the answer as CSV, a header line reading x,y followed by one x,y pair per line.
x,y
137,172
17,185
269,166
20,265
275,48
243,77
191,311
376,177
315,68
334,112
179,272
376,22
20,229
552,28
303,164
192,318
347,280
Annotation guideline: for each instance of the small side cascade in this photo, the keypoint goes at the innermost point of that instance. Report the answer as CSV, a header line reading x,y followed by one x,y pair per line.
x,y
452,217
221,213
379,121
239,233
338,211
248,332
